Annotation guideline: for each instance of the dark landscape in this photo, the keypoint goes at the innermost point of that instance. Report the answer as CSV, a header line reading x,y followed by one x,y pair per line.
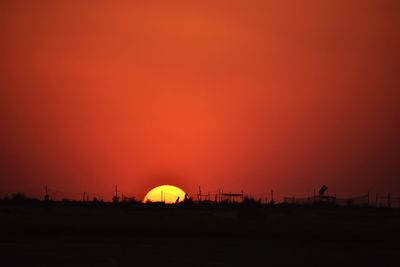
x,y
38,233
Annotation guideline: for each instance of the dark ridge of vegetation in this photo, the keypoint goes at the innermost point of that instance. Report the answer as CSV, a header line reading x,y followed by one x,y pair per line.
x,y
248,202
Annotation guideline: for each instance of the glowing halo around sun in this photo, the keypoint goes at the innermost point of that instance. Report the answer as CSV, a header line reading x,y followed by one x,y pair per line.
x,y
165,193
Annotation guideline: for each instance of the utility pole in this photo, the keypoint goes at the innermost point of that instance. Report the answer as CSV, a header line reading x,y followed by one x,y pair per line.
x,y
115,198
199,198
46,196
272,197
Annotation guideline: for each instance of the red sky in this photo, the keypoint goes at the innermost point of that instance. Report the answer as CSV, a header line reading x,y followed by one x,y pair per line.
x,y
237,95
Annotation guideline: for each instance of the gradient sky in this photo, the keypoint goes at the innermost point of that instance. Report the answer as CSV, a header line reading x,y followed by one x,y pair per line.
x,y
238,95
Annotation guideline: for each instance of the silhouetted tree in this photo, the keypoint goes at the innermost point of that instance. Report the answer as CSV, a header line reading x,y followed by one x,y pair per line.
x,y
19,197
251,201
128,200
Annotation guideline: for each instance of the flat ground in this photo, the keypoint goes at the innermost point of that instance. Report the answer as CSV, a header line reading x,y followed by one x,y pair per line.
x,y
80,234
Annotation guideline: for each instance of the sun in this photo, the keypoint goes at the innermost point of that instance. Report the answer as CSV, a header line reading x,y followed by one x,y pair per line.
x,y
165,193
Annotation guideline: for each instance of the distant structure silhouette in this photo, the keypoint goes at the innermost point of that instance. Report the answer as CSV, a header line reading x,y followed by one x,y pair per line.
x,y
46,196
115,199
231,197
323,189
177,200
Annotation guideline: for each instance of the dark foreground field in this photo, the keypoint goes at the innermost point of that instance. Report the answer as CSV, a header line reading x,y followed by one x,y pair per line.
x,y
67,234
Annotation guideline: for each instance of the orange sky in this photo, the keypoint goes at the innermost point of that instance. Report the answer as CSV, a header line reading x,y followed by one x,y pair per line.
x,y
238,95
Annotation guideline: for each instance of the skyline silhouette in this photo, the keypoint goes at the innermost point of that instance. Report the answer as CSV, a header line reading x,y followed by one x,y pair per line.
x,y
368,199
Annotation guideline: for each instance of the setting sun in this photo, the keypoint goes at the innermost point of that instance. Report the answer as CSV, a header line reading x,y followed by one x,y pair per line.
x,y
165,193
